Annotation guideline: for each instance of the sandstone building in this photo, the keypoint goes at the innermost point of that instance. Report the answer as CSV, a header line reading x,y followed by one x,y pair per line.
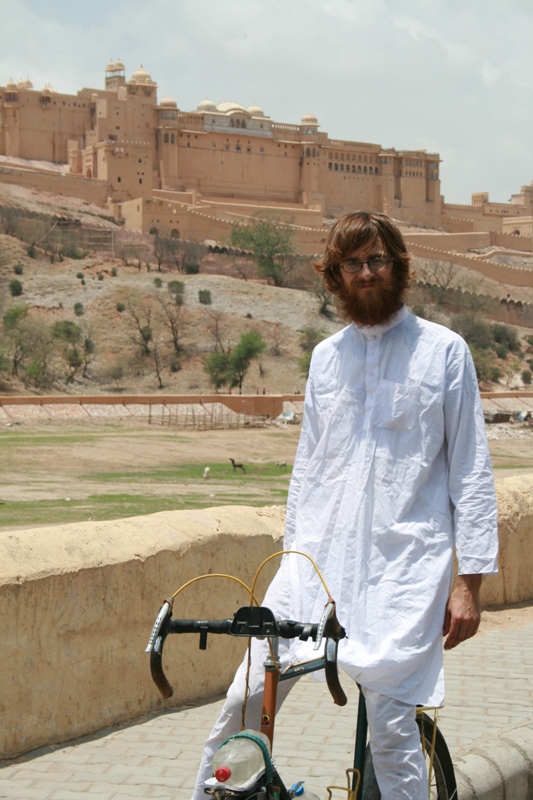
x,y
194,173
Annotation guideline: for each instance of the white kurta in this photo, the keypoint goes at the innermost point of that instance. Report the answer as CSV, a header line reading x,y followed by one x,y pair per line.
x,y
392,473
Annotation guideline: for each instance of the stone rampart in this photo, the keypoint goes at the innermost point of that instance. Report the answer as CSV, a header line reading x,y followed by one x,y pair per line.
x,y
77,603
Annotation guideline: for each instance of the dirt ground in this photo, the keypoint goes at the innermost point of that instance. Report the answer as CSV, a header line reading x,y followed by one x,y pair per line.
x,y
54,466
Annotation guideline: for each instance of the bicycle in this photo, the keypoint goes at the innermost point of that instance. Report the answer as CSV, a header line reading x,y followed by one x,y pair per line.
x,y
254,621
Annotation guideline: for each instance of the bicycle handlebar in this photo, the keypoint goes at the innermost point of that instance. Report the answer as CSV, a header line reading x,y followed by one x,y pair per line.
x,y
250,621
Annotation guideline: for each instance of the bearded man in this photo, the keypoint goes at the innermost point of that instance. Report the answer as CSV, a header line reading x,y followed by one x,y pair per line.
x,y
392,476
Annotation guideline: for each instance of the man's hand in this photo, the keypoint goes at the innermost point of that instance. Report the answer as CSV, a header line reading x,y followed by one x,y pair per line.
x,y
463,612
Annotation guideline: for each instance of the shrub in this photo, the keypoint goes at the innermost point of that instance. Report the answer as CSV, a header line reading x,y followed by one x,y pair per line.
x,y
80,275
526,377
100,277
502,350
31,251
505,334
71,251
121,307
191,269
176,287
15,288
204,296
114,272
158,283
495,374
79,309
476,333
18,269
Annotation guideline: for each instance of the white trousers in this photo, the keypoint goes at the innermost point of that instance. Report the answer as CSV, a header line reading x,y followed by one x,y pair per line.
x,y
394,737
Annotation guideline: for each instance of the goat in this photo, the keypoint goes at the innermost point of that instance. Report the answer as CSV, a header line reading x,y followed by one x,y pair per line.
x,y
237,466
207,474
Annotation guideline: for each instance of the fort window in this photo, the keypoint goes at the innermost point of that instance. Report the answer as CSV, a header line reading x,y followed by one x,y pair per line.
x,y
140,180
308,152
342,167
336,167
330,165
119,180
342,156
262,151
165,139
248,149
375,170
314,152
238,148
359,168
353,167
172,139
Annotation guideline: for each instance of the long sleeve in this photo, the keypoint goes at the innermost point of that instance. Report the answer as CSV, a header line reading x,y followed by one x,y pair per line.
x,y
308,440
471,482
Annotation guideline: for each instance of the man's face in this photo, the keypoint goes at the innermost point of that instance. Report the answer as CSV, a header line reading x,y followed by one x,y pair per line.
x,y
369,297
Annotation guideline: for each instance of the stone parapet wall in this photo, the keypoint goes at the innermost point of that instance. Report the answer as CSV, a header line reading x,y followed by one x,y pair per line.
x,y
92,191
77,603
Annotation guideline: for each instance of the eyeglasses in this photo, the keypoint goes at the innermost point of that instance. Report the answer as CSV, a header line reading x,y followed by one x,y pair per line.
x,y
374,264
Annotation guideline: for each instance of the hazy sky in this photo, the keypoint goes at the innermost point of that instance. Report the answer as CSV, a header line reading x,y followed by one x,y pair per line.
x,y
451,76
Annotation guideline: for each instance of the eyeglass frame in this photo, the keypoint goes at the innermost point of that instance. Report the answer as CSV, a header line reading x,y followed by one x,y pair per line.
x,y
386,261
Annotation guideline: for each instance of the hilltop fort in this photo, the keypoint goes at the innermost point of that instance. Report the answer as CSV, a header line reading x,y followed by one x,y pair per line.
x,y
194,173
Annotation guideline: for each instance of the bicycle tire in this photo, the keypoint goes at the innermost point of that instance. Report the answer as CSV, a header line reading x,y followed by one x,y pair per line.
x,y
443,785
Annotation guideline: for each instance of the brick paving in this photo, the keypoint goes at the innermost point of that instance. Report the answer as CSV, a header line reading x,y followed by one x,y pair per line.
x,y
489,690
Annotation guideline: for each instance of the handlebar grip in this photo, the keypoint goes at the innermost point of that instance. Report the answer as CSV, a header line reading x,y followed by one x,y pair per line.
x,y
158,676
333,631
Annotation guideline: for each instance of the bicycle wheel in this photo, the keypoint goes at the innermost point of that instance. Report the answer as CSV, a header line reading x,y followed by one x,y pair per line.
x,y
442,785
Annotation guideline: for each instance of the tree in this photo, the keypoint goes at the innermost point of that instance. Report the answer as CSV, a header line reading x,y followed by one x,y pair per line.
x,y
271,240
174,318
440,277
217,368
249,347
325,299
309,338
70,334
230,368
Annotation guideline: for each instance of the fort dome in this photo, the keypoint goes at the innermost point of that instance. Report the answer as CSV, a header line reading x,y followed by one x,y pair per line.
x,y
309,119
206,105
227,108
256,111
11,86
27,84
140,76
168,102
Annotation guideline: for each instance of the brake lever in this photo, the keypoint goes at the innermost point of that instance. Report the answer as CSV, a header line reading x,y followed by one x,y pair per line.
x,y
164,611
328,609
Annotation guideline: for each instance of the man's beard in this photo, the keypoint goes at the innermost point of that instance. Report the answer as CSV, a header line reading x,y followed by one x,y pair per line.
x,y
373,306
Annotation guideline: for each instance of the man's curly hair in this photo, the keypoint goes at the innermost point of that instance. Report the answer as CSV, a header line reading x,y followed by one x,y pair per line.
x,y
355,230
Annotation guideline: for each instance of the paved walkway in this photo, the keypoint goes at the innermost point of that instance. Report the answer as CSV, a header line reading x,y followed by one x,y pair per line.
x,y
490,694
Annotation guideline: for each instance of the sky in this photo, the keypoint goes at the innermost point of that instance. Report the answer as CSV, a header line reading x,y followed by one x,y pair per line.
x,y
453,77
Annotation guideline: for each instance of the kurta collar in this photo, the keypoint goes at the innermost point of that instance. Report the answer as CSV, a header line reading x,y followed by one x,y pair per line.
x,y
376,331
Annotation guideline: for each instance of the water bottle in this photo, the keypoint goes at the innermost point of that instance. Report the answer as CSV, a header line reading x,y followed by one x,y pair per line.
x,y
239,762
301,793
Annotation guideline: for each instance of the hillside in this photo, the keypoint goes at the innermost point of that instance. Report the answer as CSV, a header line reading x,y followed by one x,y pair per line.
x,y
114,301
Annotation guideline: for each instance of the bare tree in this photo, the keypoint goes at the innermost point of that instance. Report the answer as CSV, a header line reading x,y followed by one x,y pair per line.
x,y
440,276
174,317
215,326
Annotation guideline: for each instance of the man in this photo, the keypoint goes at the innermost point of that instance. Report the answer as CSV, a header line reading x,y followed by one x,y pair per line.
x,y
391,476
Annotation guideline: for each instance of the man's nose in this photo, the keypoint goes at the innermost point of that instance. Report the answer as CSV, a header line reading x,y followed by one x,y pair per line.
x,y
365,272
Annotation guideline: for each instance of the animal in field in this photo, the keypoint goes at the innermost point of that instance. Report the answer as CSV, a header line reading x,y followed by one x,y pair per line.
x,y
236,465
207,474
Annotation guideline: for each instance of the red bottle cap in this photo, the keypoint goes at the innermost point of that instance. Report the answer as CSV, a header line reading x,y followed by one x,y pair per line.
x,y
222,774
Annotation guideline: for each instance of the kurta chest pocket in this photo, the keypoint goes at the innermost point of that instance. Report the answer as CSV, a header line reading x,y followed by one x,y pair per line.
x,y
397,406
